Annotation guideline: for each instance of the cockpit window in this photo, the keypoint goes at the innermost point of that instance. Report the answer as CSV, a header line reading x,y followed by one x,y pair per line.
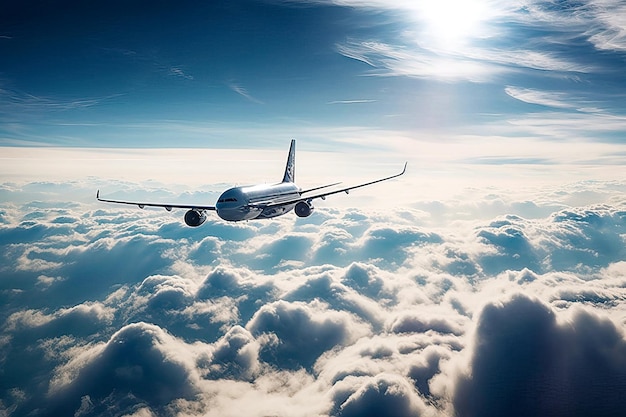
x,y
227,200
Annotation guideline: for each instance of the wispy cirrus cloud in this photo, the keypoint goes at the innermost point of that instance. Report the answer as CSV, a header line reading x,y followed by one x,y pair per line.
x,y
356,101
180,72
13,100
472,64
543,98
393,60
503,39
591,126
242,91
582,116
600,21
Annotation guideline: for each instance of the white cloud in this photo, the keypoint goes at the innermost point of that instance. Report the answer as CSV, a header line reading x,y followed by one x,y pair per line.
x,y
525,361
12,100
295,334
352,309
383,394
544,98
391,60
180,72
242,91
475,41
356,101
601,21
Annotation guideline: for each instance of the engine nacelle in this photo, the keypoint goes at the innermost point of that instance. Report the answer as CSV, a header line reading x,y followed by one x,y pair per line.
x,y
303,209
195,218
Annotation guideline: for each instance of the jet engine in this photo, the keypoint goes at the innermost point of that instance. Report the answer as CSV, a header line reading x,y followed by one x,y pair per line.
x,y
303,209
195,218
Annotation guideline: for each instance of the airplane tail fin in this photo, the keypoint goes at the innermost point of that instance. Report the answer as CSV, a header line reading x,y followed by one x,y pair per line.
x,y
290,169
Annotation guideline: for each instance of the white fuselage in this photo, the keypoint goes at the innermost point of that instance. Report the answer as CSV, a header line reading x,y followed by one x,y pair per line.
x,y
244,203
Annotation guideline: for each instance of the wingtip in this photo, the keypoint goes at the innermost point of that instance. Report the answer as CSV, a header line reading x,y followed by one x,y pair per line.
x,y
404,169
98,195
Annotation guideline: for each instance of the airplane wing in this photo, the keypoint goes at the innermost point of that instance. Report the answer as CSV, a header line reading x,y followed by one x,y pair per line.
x,y
304,197
167,207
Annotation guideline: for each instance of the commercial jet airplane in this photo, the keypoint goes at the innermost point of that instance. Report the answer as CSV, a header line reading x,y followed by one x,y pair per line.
x,y
262,201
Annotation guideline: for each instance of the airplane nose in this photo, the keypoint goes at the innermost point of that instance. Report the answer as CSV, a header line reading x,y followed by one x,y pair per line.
x,y
225,214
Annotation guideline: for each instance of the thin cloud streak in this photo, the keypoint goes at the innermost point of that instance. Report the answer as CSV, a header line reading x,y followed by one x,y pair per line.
x,y
579,127
242,91
390,60
543,98
361,101
601,21
179,72
30,103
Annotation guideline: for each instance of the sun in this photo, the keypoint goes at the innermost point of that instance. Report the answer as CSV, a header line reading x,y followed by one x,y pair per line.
x,y
450,24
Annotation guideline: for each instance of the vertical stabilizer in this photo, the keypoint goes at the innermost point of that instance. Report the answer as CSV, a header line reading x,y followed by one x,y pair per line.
x,y
290,169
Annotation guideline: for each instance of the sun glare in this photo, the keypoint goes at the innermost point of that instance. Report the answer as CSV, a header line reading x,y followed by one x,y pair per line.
x,y
450,24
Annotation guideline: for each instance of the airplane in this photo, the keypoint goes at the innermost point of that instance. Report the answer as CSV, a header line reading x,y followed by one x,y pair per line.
x,y
262,201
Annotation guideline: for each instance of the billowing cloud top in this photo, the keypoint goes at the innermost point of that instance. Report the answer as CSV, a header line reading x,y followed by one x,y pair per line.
x,y
347,313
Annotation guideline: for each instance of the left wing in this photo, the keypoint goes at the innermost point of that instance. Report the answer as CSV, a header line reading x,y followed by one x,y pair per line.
x,y
167,207
304,197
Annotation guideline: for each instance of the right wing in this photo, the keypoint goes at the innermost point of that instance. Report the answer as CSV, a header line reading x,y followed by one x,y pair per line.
x,y
304,197
347,189
167,207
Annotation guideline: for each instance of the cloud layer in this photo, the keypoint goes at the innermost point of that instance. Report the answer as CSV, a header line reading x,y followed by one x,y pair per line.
x,y
420,311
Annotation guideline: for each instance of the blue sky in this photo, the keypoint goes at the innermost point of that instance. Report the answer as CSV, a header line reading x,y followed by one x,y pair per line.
x,y
488,280
252,73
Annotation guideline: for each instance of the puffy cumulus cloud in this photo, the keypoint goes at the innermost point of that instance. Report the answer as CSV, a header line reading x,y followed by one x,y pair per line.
x,y
415,357
236,356
247,292
578,239
588,237
295,334
333,247
527,361
165,292
384,394
74,320
141,363
411,322
392,245
365,279
329,288
292,247
435,312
